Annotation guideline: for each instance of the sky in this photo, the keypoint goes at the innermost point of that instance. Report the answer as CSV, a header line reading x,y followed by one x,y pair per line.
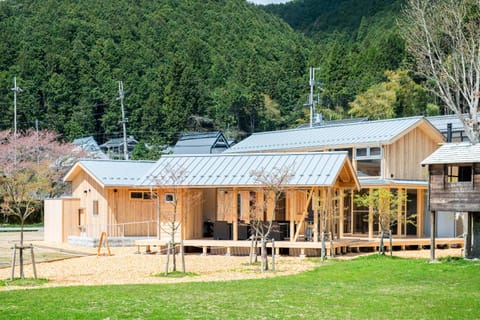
x,y
267,1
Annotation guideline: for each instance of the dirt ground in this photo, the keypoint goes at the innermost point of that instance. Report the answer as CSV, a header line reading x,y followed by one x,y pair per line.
x,y
82,266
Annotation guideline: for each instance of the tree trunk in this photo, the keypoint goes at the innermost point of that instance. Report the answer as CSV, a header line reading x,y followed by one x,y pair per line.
x,y
174,258
20,260
323,250
381,248
167,260
264,255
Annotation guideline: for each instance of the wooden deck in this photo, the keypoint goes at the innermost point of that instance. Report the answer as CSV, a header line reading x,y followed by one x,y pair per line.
x,y
303,248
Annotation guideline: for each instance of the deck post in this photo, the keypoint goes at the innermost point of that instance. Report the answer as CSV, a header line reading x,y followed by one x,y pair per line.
x,y
370,217
204,251
235,212
420,211
433,231
468,237
341,208
315,204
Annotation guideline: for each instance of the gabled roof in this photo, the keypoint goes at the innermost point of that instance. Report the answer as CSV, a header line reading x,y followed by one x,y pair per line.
x,y
309,169
441,122
118,142
201,143
110,173
87,143
333,136
450,153
90,145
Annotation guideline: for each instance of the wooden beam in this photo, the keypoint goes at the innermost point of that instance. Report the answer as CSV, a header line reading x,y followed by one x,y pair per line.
x,y
341,208
300,225
420,211
370,216
433,231
235,214
315,208
399,212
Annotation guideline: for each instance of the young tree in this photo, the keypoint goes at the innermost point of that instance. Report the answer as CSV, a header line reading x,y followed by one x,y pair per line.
x,y
385,205
327,207
272,185
444,38
171,177
32,165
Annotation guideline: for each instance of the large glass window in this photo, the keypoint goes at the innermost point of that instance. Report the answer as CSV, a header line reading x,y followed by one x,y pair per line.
x,y
369,168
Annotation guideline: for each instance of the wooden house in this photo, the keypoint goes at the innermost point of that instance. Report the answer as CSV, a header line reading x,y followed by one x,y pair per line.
x,y
128,198
454,183
201,143
384,153
113,148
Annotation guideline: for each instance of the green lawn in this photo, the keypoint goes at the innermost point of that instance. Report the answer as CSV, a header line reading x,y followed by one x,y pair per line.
x,y
373,287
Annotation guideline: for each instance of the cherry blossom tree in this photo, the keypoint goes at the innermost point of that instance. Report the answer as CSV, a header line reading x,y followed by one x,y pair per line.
x,y
31,167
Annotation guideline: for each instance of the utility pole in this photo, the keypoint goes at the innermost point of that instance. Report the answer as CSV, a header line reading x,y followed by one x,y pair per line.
x,y
15,90
311,102
121,96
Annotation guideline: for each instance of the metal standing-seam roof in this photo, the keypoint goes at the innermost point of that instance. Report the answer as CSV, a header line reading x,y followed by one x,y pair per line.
x,y
308,169
441,122
201,143
462,152
342,135
110,173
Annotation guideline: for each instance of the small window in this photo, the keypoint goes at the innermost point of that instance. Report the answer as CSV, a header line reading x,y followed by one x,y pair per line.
x,y
142,195
136,195
465,173
369,152
375,151
361,152
459,174
169,197
239,206
95,207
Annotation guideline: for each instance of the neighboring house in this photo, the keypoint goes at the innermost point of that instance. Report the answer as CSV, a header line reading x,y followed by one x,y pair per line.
x,y
442,124
91,147
454,180
127,198
384,153
114,147
201,143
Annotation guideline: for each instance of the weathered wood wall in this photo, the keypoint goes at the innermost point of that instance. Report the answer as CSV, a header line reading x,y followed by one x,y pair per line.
x,y
454,196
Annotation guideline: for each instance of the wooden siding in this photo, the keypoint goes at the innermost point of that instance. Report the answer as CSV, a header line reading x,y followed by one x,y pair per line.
x,y
454,196
403,157
89,190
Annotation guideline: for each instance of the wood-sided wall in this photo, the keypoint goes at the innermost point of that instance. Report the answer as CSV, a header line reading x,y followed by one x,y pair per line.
x,y
93,203
461,196
403,157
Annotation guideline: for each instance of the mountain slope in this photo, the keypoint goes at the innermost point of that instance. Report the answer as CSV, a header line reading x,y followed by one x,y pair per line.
x,y
226,63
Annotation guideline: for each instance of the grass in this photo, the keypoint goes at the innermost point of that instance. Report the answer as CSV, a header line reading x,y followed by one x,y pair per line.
x,y
176,274
31,225
26,282
372,287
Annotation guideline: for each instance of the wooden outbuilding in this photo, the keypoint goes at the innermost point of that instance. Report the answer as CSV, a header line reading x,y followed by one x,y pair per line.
x,y
129,198
454,185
